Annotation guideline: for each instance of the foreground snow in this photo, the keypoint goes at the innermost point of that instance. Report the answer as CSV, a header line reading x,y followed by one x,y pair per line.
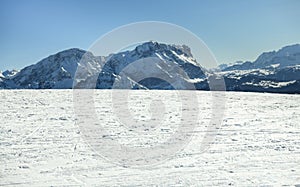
x,y
257,144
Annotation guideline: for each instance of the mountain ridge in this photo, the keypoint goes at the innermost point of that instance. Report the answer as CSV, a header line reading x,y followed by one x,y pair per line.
x,y
285,56
274,71
71,67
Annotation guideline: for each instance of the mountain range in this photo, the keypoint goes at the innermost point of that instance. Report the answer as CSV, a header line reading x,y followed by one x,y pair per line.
x,y
276,71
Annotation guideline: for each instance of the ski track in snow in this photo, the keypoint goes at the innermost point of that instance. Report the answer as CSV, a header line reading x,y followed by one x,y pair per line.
x,y
257,144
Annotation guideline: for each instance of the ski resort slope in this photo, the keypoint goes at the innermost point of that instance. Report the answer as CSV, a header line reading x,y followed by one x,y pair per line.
x,y
41,144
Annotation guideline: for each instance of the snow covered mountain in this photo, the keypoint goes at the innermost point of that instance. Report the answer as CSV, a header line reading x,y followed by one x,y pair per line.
x,y
9,73
285,80
224,66
1,80
158,59
58,71
75,68
5,78
286,56
276,71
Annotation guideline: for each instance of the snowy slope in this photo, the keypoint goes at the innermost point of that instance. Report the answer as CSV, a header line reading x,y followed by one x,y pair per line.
x,y
286,56
57,71
10,73
2,81
42,145
279,80
5,81
162,61
224,66
276,71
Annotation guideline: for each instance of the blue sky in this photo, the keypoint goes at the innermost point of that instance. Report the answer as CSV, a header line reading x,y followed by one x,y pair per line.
x,y
233,29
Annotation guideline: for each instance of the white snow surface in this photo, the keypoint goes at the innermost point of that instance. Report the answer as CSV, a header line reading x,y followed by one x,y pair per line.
x,y
258,143
270,84
238,74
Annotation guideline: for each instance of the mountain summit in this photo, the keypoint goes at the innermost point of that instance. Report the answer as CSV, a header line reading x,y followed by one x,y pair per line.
x,y
55,71
158,59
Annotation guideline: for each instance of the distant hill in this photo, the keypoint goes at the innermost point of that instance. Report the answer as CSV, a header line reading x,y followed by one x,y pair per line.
x,y
276,71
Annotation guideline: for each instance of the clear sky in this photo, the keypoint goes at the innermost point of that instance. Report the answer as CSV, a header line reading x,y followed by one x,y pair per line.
x,y
233,29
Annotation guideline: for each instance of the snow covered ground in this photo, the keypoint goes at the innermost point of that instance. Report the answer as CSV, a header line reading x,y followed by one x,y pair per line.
x,y
42,145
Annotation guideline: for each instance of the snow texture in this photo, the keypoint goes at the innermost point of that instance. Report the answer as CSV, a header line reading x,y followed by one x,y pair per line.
x,y
257,145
